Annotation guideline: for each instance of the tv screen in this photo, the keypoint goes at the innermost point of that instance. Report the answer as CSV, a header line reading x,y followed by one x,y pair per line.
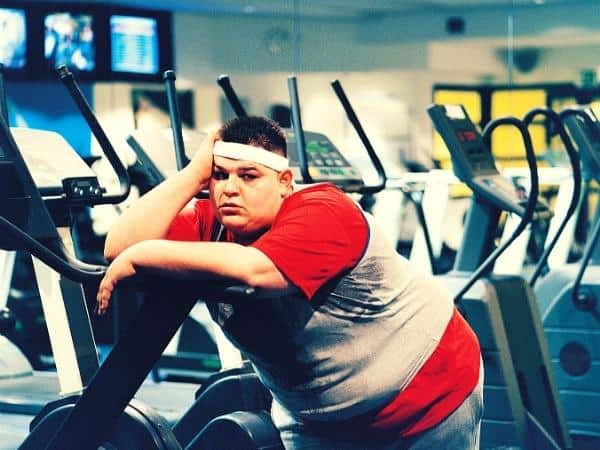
x,y
69,40
134,44
13,38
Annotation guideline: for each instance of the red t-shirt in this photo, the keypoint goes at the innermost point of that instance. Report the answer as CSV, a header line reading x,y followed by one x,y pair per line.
x,y
315,240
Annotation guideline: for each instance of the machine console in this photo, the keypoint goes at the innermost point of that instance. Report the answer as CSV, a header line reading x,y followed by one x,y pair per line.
x,y
325,161
472,161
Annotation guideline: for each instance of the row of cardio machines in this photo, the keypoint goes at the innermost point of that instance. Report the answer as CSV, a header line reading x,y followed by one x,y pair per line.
x,y
43,181
524,413
517,412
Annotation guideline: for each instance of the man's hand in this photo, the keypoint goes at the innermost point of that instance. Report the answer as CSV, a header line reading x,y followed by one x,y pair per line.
x,y
122,267
201,165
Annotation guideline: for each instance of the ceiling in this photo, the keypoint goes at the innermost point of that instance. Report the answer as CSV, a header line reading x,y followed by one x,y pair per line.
x,y
341,9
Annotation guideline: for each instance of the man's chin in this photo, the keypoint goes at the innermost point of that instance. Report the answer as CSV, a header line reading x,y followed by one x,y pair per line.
x,y
241,230
235,226
233,223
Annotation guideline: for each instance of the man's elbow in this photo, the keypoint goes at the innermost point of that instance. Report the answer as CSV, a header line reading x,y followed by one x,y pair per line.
x,y
111,250
266,278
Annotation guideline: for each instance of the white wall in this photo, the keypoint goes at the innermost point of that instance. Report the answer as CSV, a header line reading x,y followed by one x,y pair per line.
x,y
387,64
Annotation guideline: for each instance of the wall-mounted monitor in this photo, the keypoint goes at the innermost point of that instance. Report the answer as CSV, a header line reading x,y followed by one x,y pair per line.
x,y
134,44
13,38
140,44
70,39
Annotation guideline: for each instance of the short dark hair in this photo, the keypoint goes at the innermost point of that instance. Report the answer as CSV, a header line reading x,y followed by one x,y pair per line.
x,y
254,130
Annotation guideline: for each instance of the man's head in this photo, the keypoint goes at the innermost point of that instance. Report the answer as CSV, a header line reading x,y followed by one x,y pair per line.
x,y
251,180
255,131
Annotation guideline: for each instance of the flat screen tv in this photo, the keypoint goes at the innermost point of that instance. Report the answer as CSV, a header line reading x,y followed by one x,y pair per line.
x,y
13,38
69,39
140,44
134,44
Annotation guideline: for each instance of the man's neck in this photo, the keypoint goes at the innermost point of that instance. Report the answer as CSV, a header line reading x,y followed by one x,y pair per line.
x,y
247,239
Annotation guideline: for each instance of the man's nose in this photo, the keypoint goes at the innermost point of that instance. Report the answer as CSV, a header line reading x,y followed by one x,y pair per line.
x,y
230,185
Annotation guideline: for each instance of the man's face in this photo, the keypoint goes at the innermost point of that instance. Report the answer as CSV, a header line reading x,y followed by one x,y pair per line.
x,y
246,195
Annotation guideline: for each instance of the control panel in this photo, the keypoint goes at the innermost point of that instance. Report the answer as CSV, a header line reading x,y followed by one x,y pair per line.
x,y
473,162
470,156
325,161
82,189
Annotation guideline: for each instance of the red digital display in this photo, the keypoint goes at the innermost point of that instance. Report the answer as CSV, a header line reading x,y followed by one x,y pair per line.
x,y
466,135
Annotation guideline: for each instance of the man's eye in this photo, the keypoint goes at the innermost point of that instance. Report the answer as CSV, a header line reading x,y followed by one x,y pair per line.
x,y
247,177
219,175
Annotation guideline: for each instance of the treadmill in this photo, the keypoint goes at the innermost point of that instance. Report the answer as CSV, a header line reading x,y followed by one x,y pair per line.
x,y
521,405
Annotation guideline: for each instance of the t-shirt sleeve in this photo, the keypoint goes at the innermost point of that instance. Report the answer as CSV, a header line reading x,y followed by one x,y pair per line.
x,y
190,223
315,239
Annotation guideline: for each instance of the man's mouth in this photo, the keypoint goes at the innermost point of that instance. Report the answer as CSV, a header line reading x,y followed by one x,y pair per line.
x,y
229,207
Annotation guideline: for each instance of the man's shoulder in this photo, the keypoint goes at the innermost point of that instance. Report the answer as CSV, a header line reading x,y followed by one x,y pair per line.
x,y
322,198
319,191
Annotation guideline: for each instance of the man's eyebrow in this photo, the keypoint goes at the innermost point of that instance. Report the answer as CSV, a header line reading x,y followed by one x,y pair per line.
x,y
238,169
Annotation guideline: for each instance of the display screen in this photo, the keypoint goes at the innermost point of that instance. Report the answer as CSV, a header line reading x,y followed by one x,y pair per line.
x,y
13,38
466,136
478,156
69,40
134,44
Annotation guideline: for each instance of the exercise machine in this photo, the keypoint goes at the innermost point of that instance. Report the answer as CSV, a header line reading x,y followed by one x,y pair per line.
x,y
27,225
568,302
520,396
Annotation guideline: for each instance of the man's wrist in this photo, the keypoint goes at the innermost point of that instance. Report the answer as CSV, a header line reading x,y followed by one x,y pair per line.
x,y
197,178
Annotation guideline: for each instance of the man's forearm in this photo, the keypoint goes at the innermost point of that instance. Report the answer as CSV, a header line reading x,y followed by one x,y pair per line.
x,y
221,259
150,216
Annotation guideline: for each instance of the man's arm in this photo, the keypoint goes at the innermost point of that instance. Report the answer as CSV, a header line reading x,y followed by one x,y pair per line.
x,y
222,259
150,216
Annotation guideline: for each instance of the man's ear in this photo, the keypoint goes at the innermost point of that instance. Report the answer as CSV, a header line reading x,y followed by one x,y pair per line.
x,y
286,177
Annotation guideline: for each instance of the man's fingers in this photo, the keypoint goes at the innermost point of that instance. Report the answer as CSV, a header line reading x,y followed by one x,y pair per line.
x,y
103,297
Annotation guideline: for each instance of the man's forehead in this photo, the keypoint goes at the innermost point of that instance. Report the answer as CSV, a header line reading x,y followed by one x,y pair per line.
x,y
235,164
250,154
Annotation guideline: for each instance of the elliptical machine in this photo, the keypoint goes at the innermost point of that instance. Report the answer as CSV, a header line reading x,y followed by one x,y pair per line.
x,y
568,301
521,404
26,224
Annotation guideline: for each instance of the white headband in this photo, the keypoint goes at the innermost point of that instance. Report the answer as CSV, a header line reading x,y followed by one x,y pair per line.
x,y
259,155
